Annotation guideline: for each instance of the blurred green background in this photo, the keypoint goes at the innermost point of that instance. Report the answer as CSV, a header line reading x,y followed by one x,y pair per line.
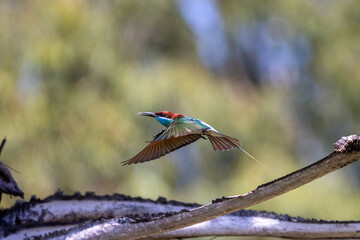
x,y
284,78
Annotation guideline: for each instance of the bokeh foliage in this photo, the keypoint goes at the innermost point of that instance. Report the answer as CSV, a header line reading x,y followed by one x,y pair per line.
x,y
73,75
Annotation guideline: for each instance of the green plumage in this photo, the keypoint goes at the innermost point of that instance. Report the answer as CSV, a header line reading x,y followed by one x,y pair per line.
x,y
180,131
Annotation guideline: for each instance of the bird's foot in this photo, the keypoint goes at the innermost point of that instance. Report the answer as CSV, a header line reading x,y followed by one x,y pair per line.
x,y
203,137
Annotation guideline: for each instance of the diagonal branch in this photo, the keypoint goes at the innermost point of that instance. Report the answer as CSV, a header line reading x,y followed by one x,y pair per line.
x,y
347,150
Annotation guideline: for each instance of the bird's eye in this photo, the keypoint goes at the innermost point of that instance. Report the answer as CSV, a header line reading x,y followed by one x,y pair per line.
x,y
192,119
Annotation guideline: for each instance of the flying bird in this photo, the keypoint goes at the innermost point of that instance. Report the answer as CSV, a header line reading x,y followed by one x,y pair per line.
x,y
180,131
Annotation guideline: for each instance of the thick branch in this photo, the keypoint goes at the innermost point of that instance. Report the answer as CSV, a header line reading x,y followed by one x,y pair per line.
x,y
61,210
259,226
58,213
338,159
231,225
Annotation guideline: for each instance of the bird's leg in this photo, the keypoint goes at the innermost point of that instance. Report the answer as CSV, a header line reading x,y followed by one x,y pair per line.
x,y
203,137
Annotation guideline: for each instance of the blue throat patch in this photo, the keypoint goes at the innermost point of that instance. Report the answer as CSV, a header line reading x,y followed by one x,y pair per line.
x,y
164,121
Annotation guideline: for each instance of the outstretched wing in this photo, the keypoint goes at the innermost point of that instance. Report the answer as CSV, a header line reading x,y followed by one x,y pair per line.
x,y
222,142
161,147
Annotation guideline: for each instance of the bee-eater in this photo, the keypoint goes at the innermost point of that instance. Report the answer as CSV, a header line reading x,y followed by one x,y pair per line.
x,y
180,131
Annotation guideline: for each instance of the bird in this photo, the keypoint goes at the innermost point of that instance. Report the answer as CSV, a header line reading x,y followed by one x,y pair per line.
x,y
180,131
8,184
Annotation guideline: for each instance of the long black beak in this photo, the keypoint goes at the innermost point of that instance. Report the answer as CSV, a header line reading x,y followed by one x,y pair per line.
x,y
150,114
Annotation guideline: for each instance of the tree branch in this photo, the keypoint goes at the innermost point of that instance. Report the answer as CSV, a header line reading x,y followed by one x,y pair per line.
x,y
138,218
346,152
54,216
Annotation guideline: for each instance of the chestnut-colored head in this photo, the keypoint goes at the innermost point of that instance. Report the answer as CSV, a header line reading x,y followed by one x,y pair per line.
x,y
164,117
168,114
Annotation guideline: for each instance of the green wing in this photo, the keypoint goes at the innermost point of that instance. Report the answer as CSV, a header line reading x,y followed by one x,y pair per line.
x,y
182,126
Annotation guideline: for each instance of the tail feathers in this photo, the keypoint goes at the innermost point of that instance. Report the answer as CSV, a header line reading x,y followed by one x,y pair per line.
x,y
225,143
248,154
267,168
